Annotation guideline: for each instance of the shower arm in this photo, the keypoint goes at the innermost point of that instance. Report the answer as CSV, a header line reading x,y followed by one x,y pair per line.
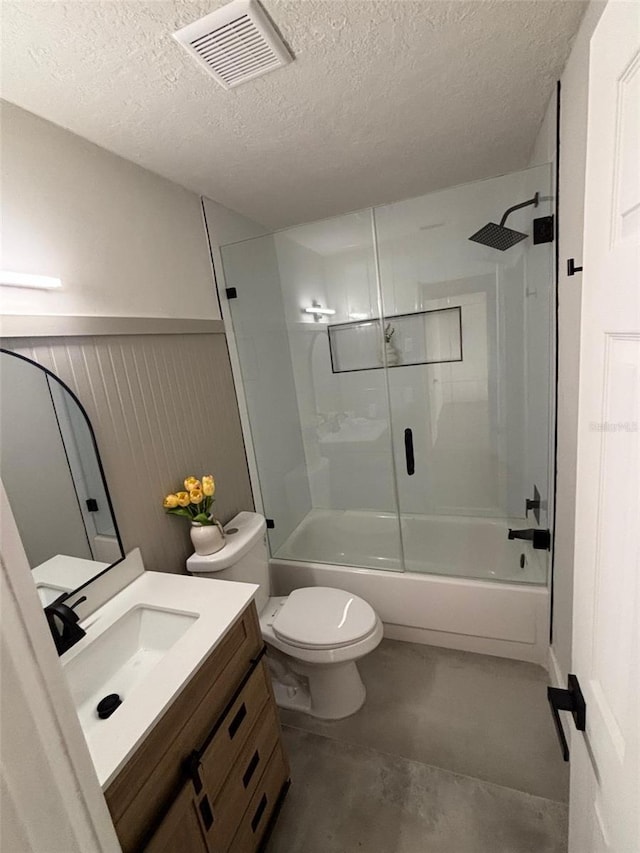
x,y
535,200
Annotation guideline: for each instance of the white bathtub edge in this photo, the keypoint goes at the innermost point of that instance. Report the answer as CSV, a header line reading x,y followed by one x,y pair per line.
x,y
463,643
505,620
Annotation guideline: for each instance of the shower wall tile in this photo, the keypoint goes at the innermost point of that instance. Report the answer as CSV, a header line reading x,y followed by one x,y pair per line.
x,y
162,407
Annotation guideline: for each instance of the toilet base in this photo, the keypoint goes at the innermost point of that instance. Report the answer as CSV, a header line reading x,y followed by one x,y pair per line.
x,y
292,698
329,692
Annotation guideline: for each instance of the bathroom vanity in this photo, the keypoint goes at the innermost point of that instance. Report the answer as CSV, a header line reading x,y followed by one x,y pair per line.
x,y
192,760
210,773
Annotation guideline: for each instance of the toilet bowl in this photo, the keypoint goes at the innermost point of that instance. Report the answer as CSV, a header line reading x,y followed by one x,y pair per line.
x,y
314,636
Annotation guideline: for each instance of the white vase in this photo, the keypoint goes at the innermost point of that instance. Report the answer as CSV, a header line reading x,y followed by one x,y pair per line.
x,y
207,538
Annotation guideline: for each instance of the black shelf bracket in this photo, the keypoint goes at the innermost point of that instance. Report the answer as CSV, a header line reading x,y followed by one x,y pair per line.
x,y
571,700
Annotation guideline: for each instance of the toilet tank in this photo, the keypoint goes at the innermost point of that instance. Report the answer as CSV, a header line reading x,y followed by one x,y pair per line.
x,y
244,557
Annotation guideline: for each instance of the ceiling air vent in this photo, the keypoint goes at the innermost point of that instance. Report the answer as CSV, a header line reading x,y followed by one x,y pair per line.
x,y
235,43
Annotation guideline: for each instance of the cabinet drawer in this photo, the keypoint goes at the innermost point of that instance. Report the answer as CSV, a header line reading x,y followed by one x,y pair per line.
x,y
141,791
242,782
258,814
233,731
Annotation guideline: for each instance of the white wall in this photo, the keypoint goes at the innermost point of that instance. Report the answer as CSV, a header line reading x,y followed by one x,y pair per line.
x,y
124,241
226,226
573,139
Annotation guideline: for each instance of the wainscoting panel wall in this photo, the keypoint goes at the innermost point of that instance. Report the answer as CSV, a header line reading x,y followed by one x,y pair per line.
x,y
162,406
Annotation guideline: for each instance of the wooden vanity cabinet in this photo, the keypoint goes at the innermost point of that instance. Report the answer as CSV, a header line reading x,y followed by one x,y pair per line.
x,y
180,830
212,771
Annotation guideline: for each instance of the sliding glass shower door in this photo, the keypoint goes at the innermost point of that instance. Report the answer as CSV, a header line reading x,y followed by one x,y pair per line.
x,y
310,345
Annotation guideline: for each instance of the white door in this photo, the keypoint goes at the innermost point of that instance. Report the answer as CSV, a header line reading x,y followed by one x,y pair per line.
x,y
605,759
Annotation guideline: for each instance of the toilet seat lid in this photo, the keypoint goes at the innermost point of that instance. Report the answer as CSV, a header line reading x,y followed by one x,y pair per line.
x,y
323,617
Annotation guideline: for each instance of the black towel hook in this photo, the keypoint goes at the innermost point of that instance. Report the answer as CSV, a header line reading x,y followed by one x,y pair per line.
x,y
572,269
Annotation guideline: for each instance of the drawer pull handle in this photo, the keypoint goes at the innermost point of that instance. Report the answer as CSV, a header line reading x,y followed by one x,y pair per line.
x,y
259,812
237,721
251,769
207,814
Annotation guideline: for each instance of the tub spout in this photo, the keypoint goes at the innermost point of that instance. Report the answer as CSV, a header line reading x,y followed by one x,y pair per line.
x,y
540,539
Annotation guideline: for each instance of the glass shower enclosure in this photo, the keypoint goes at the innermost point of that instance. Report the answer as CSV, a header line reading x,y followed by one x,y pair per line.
x,y
398,380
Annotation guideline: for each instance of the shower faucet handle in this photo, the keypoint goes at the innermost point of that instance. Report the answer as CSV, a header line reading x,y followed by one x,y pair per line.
x,y
540,539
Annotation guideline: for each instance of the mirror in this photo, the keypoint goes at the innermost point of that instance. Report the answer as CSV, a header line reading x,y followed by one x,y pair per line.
x,y
54,480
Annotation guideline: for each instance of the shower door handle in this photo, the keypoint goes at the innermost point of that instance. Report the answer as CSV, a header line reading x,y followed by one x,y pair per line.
x,y
408,451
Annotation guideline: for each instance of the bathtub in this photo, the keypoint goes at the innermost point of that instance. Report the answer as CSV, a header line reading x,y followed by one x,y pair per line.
x,y
463,587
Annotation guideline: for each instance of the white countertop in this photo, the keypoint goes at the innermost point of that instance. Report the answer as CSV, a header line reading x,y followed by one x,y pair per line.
x,y
217,604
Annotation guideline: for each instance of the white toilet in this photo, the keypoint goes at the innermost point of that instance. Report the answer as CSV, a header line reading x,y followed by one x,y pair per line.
x,y
314,635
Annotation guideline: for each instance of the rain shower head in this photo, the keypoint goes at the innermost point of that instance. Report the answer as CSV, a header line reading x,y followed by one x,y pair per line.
x,y
498,236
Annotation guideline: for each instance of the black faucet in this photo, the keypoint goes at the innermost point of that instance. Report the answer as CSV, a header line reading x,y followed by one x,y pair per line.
x,y
63,622
540,539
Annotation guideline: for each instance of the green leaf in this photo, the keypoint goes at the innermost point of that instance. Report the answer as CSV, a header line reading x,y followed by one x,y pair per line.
x,y
179,510
202,518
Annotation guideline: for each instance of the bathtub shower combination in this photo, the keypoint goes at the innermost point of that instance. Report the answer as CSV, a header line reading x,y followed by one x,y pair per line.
x,y
396,368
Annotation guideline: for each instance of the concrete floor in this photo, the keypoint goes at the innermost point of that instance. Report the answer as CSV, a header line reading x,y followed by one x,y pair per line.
x,y
452,753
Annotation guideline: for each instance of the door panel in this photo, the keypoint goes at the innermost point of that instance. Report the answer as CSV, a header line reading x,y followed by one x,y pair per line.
x,y
605,772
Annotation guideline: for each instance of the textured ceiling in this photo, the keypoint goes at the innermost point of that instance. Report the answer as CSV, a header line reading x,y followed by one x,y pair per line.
x,y
385,99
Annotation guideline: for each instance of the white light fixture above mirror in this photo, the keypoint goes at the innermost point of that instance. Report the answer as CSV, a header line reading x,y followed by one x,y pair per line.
x,y
21,279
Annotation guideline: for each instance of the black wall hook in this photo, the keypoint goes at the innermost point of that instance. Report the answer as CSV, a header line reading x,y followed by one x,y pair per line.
x,y
572,269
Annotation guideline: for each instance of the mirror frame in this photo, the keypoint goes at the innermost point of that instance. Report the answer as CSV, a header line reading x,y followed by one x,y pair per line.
x,y
74,396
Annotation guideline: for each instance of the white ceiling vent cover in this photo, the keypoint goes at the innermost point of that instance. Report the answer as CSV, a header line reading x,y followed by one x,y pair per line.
x,y
235,43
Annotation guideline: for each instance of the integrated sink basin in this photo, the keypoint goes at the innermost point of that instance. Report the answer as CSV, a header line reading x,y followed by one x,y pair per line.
x,y
145,644
119,658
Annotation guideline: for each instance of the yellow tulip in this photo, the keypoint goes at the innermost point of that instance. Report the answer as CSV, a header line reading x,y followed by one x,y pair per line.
x,y
208,485
170,502
196,496
183,498
191,483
